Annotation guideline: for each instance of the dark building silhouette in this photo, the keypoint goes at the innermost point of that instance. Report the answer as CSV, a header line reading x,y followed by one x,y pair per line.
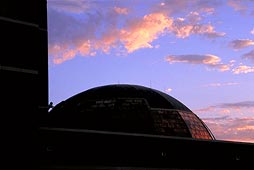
x,y
132,127
33,140
131,109
23,80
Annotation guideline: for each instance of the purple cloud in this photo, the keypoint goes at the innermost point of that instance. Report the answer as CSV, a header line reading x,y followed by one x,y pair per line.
x,y
249,56
207,59
242,6
241,43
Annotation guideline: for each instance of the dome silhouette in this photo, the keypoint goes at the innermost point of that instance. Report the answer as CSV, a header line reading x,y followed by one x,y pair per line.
x,y
131,109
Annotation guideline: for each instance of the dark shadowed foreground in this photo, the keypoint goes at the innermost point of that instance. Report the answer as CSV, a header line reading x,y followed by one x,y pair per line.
x,y
131,127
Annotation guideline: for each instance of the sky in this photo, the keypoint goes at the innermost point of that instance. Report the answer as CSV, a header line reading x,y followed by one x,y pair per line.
x,y
200,52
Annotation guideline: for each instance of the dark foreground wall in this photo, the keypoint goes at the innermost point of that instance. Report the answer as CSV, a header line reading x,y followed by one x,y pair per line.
x,y
84,149
23,79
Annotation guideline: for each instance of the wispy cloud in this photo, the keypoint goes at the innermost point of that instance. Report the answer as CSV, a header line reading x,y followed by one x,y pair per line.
x,y
72,6
249,56
238,5
236,109
69,36
241,43
184,27
221,84
246,104
242,6
243,69
168,90
232,129
230,121
207,59
252,31
175,6
121,10
171,7
85,28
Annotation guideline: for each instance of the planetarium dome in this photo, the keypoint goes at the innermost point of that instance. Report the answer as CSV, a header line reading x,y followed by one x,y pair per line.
x,y
131,109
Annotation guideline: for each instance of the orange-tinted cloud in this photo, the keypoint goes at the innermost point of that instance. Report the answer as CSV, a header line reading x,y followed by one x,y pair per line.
x,y
243,69
241,43
64,52
138,34
207,59
141,33
61,53
101,29
246,127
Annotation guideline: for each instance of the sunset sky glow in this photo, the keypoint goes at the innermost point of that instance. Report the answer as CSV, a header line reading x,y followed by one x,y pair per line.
x,y
200,52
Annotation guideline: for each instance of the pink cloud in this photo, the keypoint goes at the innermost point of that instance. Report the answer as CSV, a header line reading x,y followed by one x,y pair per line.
x,y
208,109
121,10
232,129
61,53
226,121
84,48
101,29
64,52
141,33
207,59
70,36
208,10
138,34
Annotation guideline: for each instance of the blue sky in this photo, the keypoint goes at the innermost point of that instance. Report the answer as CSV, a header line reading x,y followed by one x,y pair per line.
x,y
200,52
